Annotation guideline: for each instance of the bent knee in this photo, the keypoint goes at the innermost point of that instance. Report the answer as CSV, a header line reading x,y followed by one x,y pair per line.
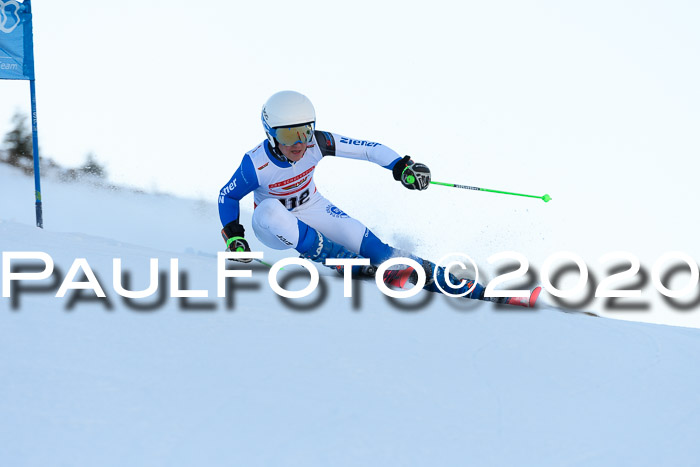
x,y
270,213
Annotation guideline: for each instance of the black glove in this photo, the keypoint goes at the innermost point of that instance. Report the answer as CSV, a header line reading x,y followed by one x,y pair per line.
x,y
411,175
233,236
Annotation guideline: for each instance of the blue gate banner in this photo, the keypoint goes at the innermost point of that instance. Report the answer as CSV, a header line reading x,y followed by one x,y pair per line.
x,y
16,45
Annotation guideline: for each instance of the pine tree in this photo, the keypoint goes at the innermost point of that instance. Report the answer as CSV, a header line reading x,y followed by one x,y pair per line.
x,y
92,167
18,141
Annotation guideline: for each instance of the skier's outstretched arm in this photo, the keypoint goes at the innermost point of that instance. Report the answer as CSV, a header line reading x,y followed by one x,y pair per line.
x,y
243,181
414,176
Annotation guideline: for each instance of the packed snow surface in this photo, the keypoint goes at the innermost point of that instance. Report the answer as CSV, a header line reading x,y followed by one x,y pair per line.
x,y
253,379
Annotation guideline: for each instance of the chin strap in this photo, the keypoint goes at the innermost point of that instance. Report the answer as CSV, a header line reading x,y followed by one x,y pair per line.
x,y
278,154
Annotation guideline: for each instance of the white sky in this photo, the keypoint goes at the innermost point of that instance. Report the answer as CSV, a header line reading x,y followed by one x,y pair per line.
x,y
168,93
596,103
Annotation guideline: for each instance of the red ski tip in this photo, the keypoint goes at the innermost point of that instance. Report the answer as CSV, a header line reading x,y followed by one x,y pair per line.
x,y
533,296
525,301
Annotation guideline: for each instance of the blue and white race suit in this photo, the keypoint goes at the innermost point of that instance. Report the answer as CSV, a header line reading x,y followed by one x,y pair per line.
x,y
286,198
288,207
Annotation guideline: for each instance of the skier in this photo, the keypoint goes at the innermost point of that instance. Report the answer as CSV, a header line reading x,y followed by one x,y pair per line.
x,y
291,213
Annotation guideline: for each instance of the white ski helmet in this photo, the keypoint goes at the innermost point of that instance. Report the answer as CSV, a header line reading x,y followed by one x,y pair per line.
x,y
287,109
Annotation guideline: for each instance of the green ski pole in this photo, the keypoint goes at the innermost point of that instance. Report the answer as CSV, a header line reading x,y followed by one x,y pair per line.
x,y
263,263
545,198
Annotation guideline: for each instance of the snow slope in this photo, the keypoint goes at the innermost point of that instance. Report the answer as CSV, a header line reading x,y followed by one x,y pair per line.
x,y
343,381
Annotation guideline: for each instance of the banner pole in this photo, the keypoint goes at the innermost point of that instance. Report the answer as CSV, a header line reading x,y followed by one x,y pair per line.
x,y
35,152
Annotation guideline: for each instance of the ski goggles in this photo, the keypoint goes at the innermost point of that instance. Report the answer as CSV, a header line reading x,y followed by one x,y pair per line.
x,y
290,136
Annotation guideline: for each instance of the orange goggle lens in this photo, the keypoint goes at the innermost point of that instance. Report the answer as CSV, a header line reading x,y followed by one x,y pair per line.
x,y
295,134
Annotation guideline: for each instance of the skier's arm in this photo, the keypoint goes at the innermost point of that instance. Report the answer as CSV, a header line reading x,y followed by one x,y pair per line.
x,y
243,181
411,175
332,144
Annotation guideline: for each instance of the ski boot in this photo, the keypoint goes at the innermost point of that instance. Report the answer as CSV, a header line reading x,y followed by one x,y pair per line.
x,y
434,276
